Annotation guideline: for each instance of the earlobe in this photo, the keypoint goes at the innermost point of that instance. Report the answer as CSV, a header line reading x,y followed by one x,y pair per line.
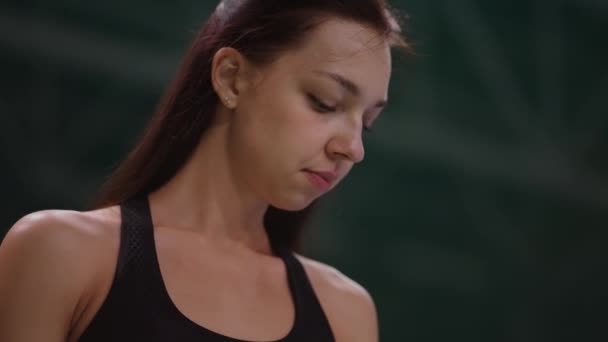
x,y
229,103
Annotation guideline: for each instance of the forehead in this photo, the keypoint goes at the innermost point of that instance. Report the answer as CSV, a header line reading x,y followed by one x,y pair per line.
x,y
348,48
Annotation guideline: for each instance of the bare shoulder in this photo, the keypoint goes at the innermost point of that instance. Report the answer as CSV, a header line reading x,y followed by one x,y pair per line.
x,y
48,261
72,241
76,223
63,232
348,305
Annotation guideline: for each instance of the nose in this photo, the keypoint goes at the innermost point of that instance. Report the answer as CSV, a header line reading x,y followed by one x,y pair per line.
x,y
347,144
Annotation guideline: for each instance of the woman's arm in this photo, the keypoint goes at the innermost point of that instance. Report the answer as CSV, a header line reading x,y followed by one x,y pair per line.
x,y
41,278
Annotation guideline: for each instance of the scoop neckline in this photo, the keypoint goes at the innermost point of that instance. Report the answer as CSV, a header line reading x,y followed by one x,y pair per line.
x,y
204,330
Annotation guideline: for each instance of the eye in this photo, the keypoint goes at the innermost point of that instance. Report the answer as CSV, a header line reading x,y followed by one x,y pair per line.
x,y
319,105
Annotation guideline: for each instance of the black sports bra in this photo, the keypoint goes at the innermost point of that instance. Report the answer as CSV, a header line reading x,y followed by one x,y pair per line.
x,y
138,306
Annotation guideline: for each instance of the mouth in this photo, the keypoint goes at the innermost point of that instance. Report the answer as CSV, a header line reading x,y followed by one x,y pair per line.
x,y
322,179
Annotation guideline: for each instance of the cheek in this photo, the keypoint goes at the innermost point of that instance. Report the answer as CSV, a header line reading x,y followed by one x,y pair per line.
x,y
280,130
262,144
289,125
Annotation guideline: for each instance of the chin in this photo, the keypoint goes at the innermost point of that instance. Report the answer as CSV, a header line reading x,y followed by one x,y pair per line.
x,y
293,203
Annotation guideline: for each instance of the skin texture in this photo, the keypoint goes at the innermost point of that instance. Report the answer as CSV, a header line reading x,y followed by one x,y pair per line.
x,y
272,125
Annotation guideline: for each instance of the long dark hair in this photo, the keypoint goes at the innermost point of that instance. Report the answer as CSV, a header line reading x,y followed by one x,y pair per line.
x,y
260,30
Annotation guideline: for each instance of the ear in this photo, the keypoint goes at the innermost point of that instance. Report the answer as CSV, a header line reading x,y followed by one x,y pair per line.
x,y
229,70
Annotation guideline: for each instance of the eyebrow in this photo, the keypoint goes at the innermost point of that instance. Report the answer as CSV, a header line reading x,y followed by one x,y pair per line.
x,y
348,85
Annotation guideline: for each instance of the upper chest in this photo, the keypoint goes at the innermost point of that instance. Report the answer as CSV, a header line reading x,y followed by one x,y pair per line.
x,y
233,294
223,293
199,276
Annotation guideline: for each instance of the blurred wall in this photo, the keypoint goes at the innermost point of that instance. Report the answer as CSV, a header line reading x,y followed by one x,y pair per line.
x,y
480,213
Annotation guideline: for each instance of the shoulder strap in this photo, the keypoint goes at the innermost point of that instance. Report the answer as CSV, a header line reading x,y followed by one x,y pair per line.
x,y
136,236
137,256
311,320
123,315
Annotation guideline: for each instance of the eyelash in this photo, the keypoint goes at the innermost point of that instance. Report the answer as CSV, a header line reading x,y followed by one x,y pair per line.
x,y
321,107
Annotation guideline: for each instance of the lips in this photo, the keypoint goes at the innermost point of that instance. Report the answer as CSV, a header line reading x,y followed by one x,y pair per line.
x,y
323,179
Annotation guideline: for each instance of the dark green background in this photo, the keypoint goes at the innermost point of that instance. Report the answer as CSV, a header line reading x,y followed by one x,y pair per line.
x,y
480,213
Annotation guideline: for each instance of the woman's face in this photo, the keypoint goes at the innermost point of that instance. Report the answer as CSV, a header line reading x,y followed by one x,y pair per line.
x,y
298,131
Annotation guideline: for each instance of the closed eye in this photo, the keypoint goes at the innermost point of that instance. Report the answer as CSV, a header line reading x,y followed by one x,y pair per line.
x,y
323,108
319,105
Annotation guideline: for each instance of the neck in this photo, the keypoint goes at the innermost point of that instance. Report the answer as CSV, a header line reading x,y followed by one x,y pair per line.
x,y
204,198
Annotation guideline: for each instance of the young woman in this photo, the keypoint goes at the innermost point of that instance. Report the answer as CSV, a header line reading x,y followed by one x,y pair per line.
x,y
193,238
